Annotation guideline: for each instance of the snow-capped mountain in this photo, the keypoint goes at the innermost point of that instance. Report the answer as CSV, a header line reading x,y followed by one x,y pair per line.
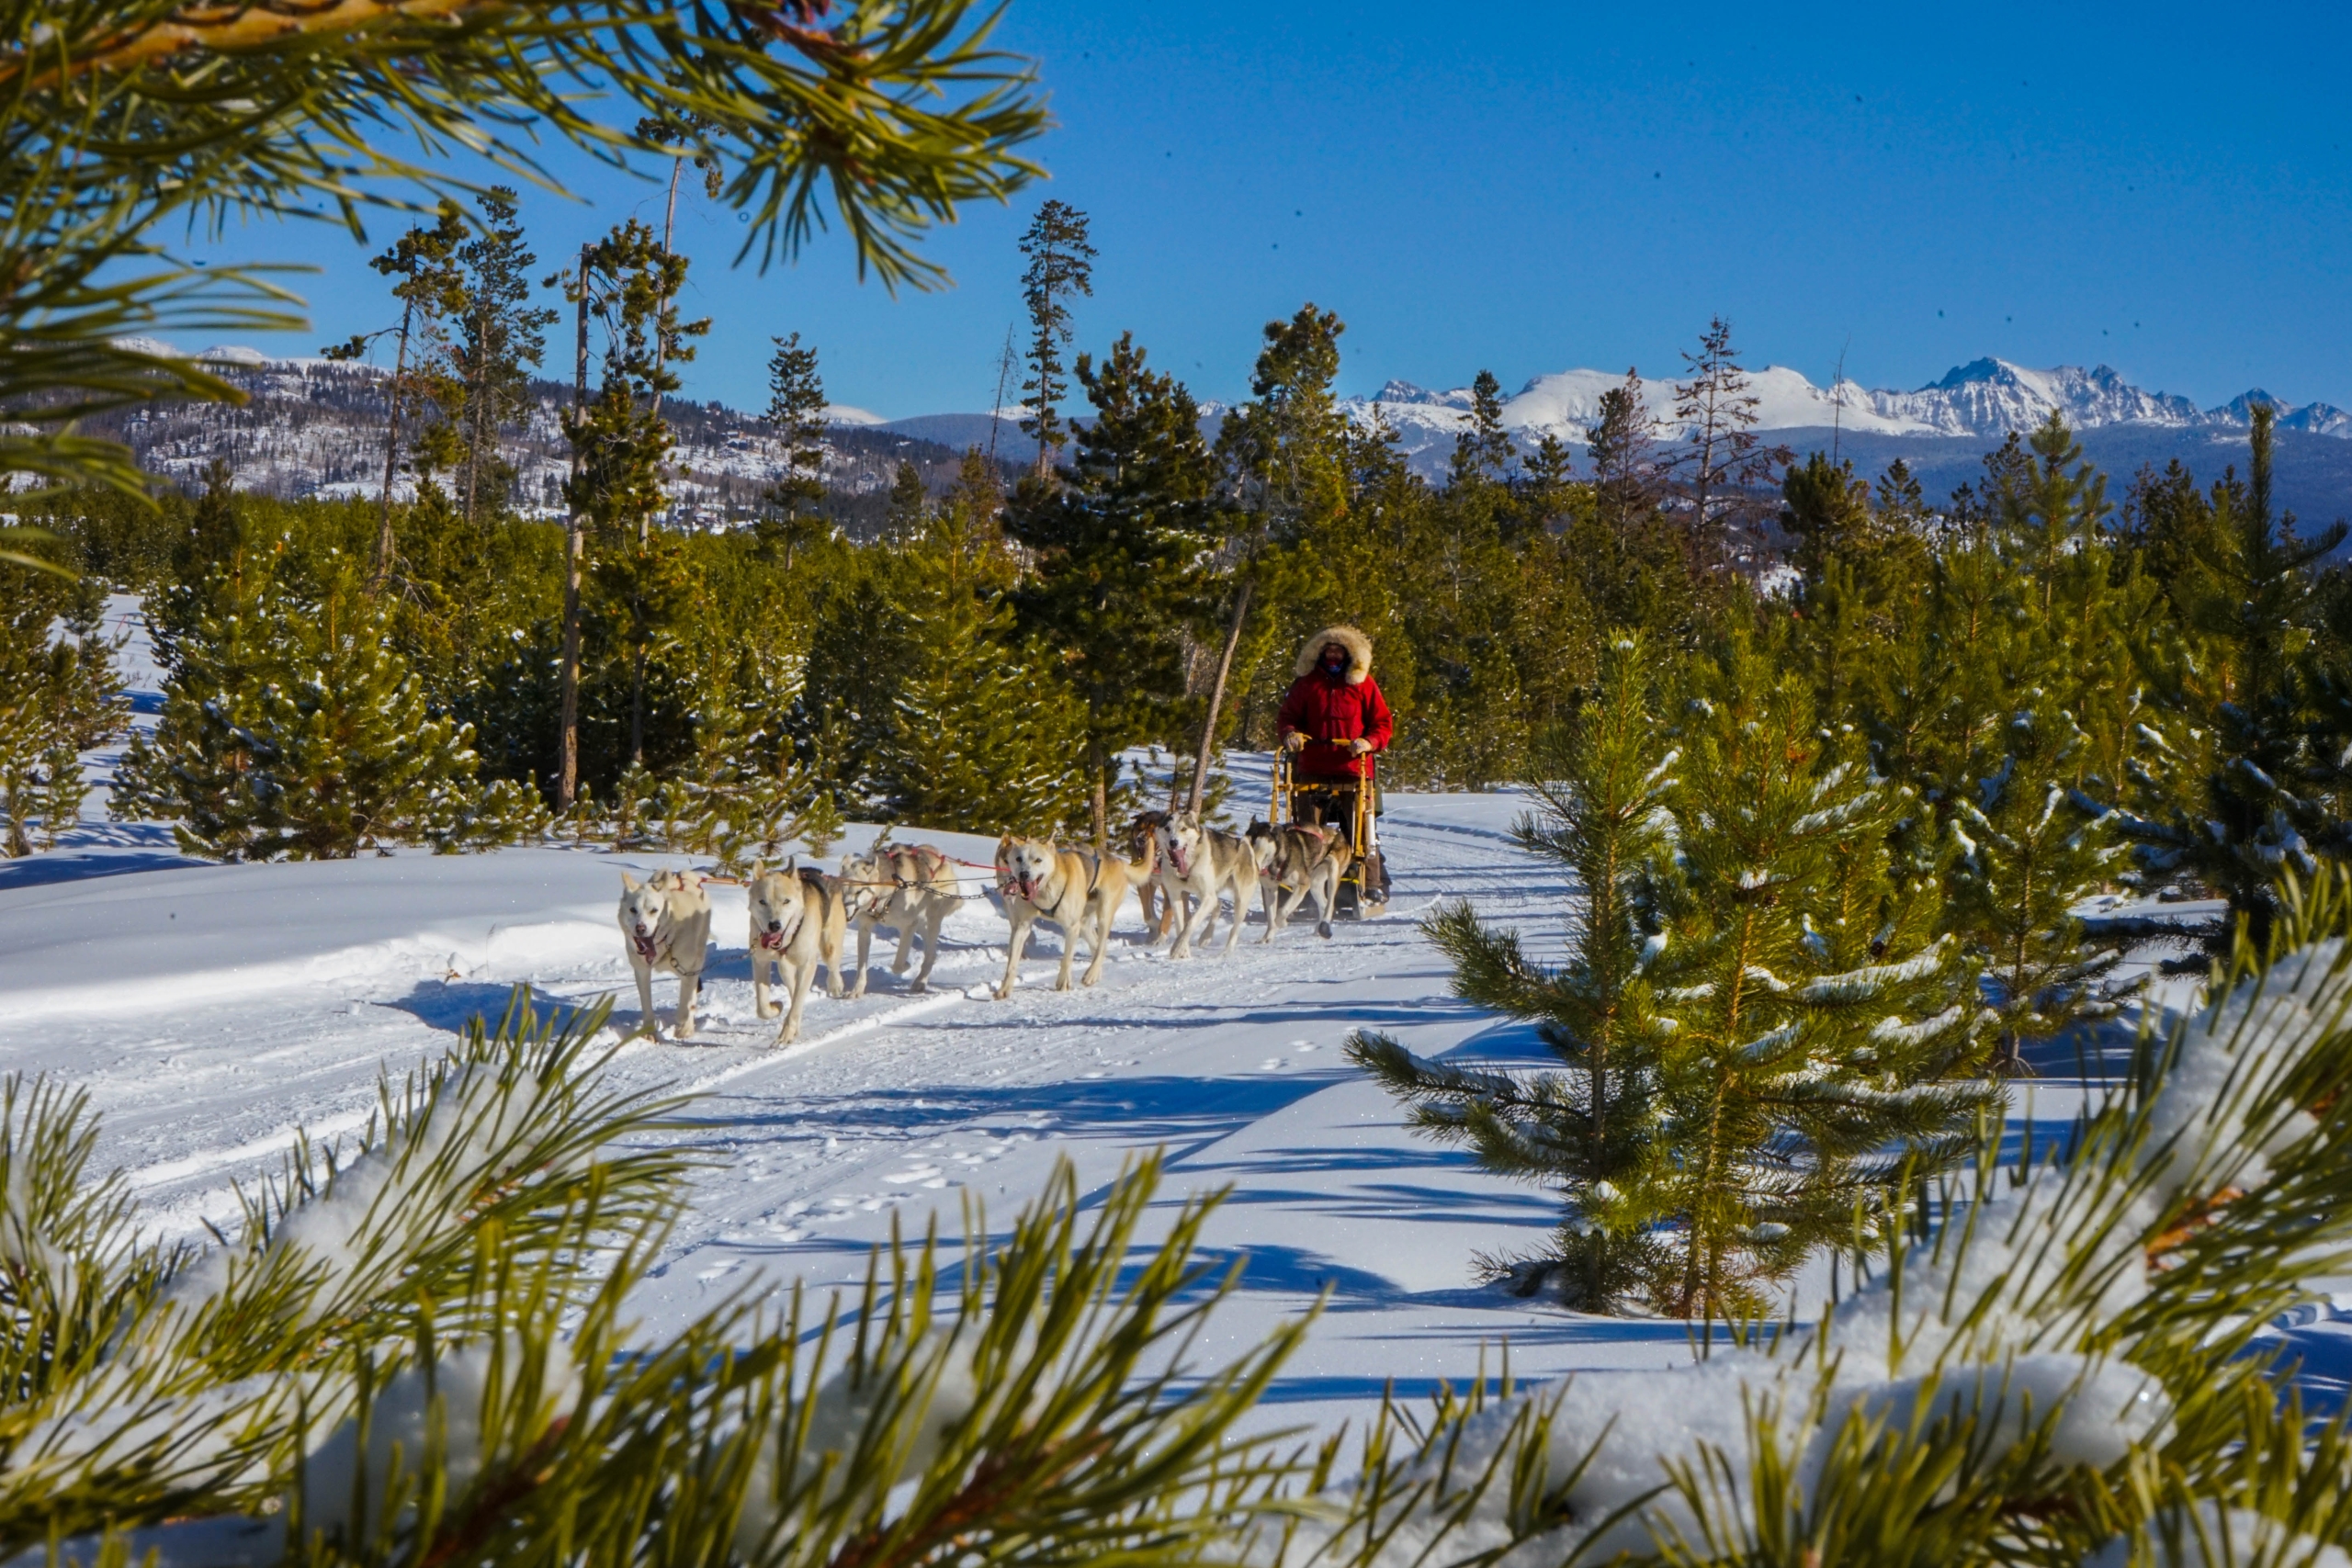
x,y
1985,400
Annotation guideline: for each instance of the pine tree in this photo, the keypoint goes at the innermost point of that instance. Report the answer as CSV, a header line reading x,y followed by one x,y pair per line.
x,y
501,338
2030,851
967,526
846,710
620,443
979,734
1586,1129
1622,444
891,123
1626,559
1113,550
1815,1015
292,726
1484,451
59,695
1860,565
1760,966
1061,263
40,774
431,289
1548,488
910,507
1719,464
2271,801
198,771
796,412
744,791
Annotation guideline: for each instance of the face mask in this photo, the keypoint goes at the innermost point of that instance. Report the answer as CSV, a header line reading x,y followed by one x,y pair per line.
x,y
1336,666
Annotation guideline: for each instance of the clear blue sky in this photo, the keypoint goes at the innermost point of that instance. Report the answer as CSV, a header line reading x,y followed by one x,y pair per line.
x,y
1534,188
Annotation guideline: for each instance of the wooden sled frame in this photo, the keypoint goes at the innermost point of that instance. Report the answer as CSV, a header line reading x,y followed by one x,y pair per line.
x,y
1357,890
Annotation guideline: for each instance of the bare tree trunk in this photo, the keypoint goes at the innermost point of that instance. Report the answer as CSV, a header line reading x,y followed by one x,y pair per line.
x,y
637,711
474,394
1216,692
574,529
1003,375
392,459
662,338
1096,764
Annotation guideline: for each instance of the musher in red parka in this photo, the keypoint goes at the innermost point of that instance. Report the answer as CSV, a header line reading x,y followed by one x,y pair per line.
x,y
1334,716
1332,720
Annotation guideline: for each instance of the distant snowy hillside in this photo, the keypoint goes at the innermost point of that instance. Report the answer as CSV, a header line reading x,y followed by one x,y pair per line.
x,y
315,427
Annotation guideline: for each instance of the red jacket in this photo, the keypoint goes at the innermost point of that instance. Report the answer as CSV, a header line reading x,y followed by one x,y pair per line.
x,y
1326,709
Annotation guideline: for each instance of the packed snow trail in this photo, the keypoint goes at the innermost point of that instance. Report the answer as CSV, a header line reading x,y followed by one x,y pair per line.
x,y
212,1010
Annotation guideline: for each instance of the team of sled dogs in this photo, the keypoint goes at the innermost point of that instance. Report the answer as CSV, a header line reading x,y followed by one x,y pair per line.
x,y
1178,867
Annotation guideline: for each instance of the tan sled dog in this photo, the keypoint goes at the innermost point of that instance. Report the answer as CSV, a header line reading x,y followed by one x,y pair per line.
x,y
796,924
1301,859
1199,864
908,887
666,923
1143,848
1074,891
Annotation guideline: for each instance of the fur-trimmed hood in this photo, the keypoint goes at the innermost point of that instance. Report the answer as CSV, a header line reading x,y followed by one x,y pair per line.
x,y
1359,648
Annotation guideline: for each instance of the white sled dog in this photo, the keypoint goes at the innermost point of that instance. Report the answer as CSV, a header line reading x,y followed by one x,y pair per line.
x,y
1298,859
666,923
908,887
1076,892
1199,863
796,924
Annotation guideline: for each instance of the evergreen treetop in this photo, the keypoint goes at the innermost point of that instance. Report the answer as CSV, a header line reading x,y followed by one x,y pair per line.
x,y
502,337
1484,451
1061,263
797,409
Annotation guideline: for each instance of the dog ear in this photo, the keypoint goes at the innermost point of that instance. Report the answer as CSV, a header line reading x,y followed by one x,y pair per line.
x,y
629,884
758,868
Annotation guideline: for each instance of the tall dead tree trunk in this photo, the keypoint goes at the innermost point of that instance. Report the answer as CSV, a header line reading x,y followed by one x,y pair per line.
x,y
1216,692
392,457
575,524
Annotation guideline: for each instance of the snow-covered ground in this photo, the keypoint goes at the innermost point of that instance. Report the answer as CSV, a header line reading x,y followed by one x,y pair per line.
x,y
212,1010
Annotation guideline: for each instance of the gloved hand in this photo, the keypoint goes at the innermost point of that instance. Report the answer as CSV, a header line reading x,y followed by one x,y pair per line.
x,y
1295,741
1359,746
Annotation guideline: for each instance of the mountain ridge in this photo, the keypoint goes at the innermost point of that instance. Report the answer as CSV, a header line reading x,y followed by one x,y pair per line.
x,y
1985,398
313,426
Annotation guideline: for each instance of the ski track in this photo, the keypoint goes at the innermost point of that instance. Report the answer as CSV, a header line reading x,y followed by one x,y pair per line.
x,y
212,1011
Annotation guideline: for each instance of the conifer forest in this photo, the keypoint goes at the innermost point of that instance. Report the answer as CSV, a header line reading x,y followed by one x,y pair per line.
x,y
1777,836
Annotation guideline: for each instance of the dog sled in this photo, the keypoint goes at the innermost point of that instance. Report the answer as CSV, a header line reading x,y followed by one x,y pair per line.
x,y
1349,807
